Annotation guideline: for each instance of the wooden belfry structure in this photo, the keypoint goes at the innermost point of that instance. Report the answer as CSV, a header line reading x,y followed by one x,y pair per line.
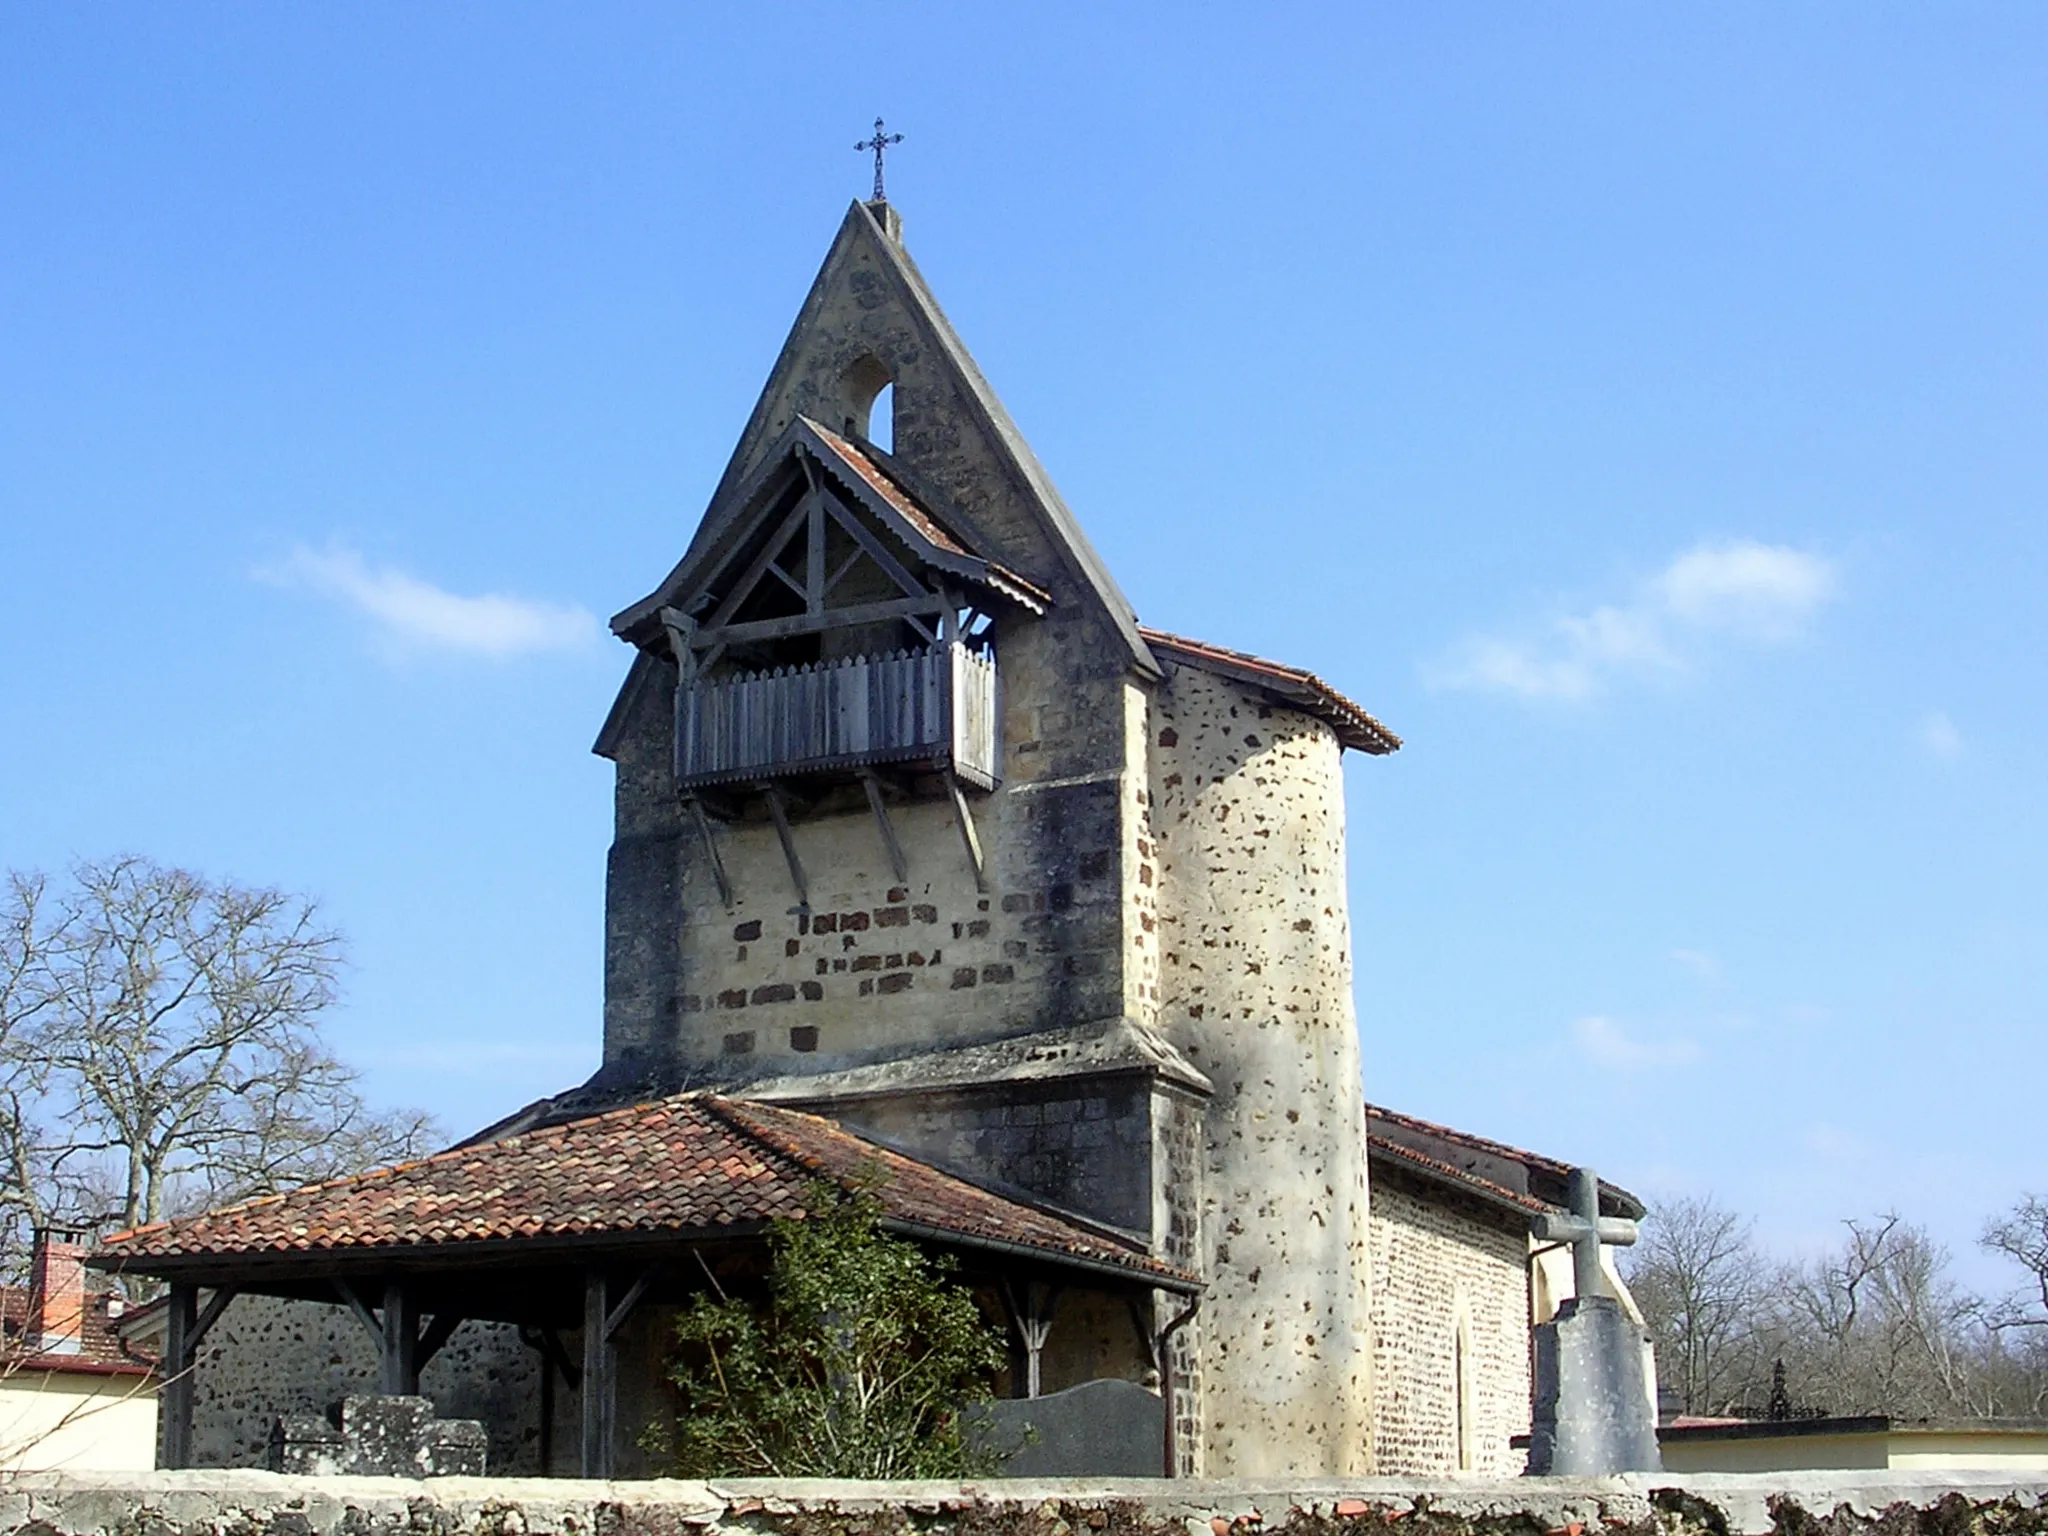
x,y
571,1228
834,630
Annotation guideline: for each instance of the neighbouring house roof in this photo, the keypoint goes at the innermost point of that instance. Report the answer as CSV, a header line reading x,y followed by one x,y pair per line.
x,y
694,1165
102,1351
1287,685
1491,1170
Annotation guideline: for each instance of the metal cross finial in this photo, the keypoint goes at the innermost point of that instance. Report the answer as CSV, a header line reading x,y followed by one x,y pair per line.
x,y
1585,1229
879,143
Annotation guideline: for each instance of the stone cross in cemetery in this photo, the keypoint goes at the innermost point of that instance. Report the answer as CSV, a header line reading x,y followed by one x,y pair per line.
x,y
1594,1414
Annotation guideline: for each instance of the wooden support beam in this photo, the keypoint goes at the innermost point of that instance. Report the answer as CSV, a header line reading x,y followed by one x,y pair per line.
x,y
759,565
437,1333
873,785
877,550
1031,1315
814,561
711,850
620,1314
967,833
600,1383
361,1310
210,1313
174,1397
779,809
398,1352
811,623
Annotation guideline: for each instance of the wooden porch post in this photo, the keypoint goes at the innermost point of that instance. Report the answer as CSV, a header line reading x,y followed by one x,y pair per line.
x,y
600,1377
398,1349
174,1398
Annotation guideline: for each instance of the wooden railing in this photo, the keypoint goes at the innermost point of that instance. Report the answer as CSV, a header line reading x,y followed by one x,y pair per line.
x,y
941,707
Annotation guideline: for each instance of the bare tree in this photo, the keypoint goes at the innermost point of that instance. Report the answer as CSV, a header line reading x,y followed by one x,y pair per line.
x,y
1878,1327
169,1026
2021,1235
1700,1282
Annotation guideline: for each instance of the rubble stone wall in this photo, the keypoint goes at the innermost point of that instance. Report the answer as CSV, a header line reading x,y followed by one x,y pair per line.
x,y
1255,988
267,1357
261,1504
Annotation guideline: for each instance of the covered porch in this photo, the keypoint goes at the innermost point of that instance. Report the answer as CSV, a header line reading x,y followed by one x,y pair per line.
x,y
585,1236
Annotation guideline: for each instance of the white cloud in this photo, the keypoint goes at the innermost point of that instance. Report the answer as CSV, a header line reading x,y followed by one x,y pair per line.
x,y
1699,962
1608,1044
411,615
1756,594
1938,734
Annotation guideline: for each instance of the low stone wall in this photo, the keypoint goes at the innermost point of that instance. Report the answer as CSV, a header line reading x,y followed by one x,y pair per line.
x,y
263,1504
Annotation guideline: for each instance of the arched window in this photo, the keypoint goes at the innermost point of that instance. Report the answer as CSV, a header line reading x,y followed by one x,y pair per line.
x,y
882,419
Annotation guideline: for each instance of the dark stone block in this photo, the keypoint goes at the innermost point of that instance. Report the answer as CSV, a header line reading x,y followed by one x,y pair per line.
x,y
892,917
900,982
814,991
746,932
965,976
740,1043
804,1038
775,992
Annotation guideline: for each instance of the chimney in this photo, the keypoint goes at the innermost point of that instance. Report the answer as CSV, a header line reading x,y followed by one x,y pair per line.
x,y
56,1300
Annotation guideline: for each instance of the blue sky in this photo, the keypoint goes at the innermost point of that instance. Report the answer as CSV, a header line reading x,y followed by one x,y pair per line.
x,y
1639,408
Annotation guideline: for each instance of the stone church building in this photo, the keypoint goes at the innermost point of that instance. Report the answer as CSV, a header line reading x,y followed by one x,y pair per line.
x,y
929,858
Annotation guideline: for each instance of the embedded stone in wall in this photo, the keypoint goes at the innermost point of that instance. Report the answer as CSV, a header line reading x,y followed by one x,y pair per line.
x,y
378,1437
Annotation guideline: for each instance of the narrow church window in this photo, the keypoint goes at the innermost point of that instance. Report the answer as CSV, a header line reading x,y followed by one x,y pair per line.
x,y
882,419
1461,1370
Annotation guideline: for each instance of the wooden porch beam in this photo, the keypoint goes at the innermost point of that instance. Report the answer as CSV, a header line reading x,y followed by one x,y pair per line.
x,y
398,1350
364,1315
174,1398
437,1333
600,1381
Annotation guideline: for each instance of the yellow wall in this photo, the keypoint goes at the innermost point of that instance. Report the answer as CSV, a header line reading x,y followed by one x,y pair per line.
x,y
61,1421
2021,1452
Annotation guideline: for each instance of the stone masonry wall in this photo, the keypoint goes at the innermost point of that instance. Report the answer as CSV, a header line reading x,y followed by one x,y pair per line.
x,y
1441,1266
267,1357
880,968
1787,1504
1255,983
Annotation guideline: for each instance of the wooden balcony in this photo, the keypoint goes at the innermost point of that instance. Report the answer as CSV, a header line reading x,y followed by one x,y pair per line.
x,y
935,708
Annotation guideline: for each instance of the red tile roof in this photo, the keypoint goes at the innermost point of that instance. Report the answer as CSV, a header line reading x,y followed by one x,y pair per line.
x,y
692,1165
1492,1169
1290,685
101,1351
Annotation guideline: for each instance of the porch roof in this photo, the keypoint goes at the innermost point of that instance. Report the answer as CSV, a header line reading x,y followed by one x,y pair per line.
x,y
692,1166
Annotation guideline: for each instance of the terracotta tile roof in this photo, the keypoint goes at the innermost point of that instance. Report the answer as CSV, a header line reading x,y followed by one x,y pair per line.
x,y
692,1165
885,485
101,1351
1492,1169
1290,685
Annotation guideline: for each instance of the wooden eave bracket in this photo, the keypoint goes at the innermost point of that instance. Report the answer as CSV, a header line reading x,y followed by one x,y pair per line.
x,y
871,782
718,874
778,808
968,836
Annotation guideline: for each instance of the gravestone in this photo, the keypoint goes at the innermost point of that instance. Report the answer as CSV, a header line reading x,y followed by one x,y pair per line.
x,y
378,1437
1593,1414
1098,1429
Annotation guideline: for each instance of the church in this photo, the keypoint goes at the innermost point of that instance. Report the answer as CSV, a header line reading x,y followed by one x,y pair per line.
x,y
932,866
